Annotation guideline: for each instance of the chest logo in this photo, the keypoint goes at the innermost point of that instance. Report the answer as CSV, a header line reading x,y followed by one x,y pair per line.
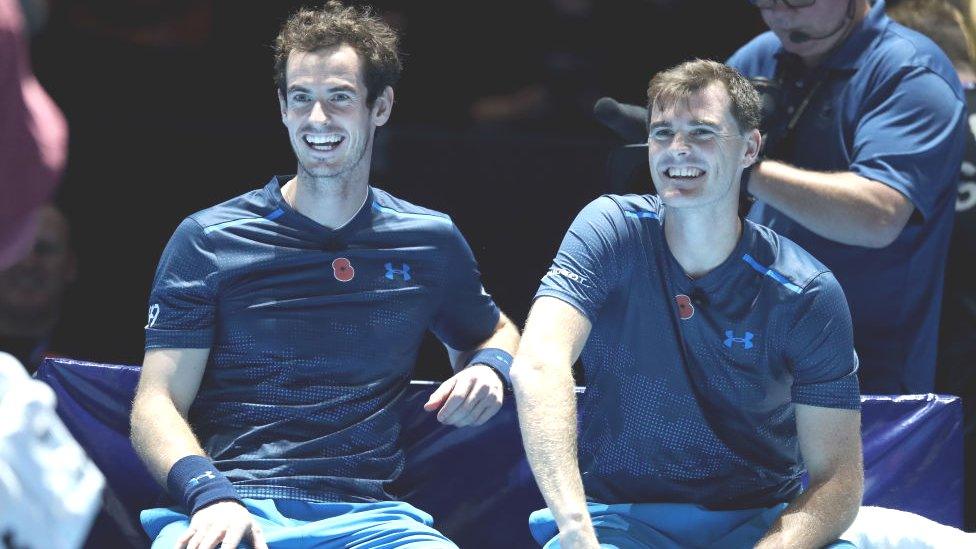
x,y
685,309
342,269
731,340
403,272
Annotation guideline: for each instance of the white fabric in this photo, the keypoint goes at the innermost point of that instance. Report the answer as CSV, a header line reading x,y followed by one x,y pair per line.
x,y
881,528
49,489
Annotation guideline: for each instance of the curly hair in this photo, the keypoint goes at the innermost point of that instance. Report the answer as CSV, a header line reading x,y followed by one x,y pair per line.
x,y
681,82
335,25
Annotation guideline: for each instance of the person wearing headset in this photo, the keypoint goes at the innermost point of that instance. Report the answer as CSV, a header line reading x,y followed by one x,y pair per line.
x,y
863,152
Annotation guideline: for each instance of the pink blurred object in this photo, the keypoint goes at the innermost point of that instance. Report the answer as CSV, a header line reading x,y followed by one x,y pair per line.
x,y
33,140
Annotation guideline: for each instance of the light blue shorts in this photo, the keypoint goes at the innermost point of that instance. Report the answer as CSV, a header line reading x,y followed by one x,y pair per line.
x,y
293,524
667,526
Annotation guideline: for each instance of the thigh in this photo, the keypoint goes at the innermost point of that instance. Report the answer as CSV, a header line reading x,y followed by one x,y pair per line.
x,y
169,534
618,531
664,526
165,525
378,525
617,540
399,533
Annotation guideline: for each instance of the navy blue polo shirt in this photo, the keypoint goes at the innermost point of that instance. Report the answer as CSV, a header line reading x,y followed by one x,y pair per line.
x,y
691,384
889,108
313,335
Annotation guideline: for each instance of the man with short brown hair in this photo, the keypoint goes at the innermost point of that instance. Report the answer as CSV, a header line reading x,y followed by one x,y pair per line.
x,y
717,355
284,325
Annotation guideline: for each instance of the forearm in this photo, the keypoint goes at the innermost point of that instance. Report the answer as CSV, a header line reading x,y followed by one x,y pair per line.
x,y
843,206
160,434
505,337
817,517
546,400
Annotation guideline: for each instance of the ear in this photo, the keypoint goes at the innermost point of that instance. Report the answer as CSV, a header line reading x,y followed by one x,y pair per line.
x,y
282,105
753,146
382,107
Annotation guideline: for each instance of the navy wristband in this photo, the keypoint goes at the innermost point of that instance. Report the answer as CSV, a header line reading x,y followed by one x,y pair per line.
x,y
197,483
498,359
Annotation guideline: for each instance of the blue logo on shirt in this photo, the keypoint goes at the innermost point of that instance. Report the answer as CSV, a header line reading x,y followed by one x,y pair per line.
x,y
730,339
403,271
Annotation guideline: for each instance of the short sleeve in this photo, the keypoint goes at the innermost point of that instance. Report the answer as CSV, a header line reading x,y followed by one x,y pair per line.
x,y
587,265
467,314
820,348
183,298
912,138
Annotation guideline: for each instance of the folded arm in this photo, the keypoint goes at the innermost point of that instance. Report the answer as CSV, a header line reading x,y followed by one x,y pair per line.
x,y
843,207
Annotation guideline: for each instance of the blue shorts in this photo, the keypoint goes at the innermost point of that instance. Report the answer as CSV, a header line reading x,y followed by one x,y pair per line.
x,y
293,524
666,526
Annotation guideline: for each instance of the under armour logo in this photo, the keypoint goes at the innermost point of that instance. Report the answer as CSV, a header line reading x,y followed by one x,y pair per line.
x,y
403,271
730,339
209,475
153,315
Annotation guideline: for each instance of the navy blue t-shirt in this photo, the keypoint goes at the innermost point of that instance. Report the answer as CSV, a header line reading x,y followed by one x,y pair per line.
x,y
691,384
890,108
313,335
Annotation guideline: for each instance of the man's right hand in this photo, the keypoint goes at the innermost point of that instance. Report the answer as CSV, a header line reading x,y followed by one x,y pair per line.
x,y
224,523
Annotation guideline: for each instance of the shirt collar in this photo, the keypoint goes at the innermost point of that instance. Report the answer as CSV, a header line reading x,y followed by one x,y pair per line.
x,y
362,216
850,54
725,274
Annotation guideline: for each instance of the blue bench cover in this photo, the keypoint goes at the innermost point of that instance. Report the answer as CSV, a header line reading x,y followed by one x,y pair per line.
x,y
476,482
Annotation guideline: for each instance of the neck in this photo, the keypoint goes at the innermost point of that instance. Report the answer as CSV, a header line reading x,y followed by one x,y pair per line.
x,y
331,202
701,239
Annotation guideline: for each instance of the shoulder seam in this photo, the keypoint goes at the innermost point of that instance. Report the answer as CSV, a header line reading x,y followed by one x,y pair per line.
x,y
810,280
206,240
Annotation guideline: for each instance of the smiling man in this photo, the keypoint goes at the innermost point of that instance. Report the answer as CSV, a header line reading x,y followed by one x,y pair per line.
x,y
718,356
284,325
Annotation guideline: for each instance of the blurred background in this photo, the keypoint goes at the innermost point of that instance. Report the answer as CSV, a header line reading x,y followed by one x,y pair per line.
x,y
171,109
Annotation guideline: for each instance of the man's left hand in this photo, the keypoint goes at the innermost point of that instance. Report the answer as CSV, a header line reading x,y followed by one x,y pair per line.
x,y
470,397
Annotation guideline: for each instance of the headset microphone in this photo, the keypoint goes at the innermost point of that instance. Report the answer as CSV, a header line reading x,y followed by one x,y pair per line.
x,y
799,37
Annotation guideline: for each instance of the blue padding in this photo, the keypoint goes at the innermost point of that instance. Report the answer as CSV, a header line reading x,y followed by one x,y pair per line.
x,y
913,458
94,402
475,481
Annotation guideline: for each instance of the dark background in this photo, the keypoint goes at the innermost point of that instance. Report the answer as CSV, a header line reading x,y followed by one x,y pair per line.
x,y
172,109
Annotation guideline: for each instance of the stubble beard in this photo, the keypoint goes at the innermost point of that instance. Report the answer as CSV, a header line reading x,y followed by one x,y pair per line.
x,y
342,177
